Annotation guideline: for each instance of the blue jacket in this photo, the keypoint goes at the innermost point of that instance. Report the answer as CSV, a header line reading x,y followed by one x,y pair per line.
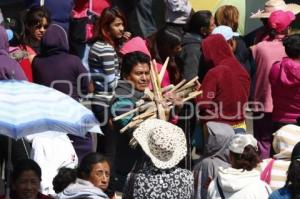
x,y
282,193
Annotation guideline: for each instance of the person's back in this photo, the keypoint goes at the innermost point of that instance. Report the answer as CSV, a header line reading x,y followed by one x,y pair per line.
x,y
215,154
265,54
274,170
227,83
151,182
285,76
237,184
291,189
56,67
156,175
200,25
241,180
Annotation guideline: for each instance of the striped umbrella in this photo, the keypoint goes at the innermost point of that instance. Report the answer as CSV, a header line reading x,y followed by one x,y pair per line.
x,y
27,108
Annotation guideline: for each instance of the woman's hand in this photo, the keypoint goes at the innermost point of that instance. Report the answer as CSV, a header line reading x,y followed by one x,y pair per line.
x,y
174,98
126,36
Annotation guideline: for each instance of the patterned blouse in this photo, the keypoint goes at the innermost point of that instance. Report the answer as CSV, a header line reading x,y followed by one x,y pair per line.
x,y
153,183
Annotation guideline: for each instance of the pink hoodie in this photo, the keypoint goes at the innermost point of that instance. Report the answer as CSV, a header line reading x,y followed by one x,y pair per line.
x,y
285,84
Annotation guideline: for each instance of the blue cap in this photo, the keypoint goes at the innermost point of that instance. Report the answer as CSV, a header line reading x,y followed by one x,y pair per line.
x,y
226,31
10,34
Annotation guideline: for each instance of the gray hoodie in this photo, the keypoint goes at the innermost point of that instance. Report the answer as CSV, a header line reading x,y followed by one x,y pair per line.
x,y
82,189
191,55
216,154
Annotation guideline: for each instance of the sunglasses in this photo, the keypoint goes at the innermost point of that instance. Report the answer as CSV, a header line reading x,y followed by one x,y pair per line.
x,y
39,26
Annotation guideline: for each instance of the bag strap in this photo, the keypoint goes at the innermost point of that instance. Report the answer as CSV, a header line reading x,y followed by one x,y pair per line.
x,y
266,173
91,5
220,189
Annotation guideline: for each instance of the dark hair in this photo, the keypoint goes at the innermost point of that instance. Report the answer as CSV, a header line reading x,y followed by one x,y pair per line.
x,y
166,38
85,167
227,15
273,33
67,176
293,173
200,19
33,17
102,27
63,178
292,45
26,165
160,44
248,160
132,59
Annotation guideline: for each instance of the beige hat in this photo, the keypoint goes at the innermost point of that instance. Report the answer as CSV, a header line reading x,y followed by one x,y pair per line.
x,y
162,141
240,141
273,5
284,141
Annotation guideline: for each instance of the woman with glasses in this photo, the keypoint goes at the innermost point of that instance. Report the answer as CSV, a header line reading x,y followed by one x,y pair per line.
x,y
90,180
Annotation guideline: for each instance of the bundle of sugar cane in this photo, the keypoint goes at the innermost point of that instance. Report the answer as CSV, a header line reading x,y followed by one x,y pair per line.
x,y
156,104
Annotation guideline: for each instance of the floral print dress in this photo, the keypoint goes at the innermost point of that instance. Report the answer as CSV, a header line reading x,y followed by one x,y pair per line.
x,y
153,183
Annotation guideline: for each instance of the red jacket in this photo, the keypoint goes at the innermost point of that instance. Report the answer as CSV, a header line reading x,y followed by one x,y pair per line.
x,y
226,85
97,6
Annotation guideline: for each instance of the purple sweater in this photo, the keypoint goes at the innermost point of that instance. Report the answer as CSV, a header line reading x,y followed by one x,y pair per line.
x,y
9,68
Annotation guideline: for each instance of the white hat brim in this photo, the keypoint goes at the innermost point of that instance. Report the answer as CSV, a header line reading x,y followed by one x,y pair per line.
x,y
295,8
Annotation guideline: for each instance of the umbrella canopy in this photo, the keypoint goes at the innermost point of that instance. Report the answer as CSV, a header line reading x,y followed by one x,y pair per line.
x,y
27,108
245,7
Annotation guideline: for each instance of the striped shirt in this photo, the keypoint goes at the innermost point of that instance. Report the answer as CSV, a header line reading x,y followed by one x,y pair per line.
x,y
104,67
278,172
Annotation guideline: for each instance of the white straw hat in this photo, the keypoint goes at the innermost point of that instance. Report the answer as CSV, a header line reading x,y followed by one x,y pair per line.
x,y
162,141
274,5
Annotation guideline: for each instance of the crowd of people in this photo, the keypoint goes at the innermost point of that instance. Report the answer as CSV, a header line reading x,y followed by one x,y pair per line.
x,y
101,53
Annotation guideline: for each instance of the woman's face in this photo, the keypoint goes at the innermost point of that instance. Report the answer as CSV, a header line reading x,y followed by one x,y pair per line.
x,y
100,175
117,28
27,185
205,31
39,29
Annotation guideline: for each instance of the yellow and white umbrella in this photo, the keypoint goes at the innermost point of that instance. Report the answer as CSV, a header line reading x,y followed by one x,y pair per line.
x,y
245,7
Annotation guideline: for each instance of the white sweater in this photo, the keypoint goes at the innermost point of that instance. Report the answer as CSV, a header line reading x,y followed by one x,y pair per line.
x,y
52,150
238,184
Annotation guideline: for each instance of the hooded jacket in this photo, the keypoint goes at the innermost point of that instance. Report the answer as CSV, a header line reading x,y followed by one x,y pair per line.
x,y
191,55
9,68
226,85
285,85
125,98
216,154
56,64
82,189
237,184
